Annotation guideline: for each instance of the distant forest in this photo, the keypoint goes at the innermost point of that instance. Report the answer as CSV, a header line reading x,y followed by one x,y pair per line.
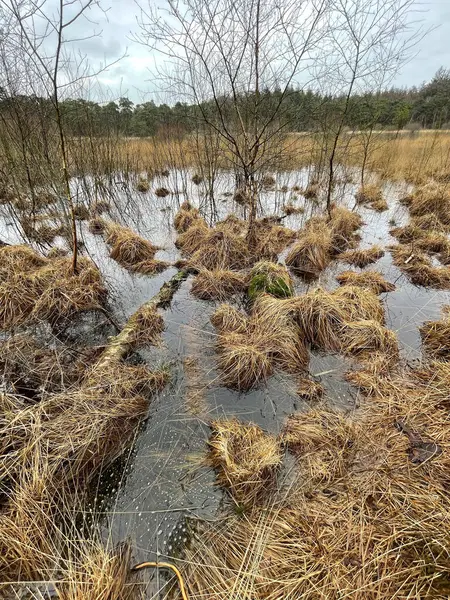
x,y
427,107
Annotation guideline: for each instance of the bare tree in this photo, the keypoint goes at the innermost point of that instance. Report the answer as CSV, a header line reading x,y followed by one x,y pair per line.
x,y
39,34
368,41
223,56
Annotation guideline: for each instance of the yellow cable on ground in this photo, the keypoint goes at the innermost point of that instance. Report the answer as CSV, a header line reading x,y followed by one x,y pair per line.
x,y
163,565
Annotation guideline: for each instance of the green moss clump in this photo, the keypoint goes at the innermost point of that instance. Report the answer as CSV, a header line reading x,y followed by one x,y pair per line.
x,y
270,278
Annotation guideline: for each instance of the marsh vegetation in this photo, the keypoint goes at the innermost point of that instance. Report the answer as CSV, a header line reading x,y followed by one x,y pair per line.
x,y
224,348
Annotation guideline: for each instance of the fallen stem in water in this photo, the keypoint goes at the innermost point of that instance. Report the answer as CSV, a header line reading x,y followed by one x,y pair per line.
x,y
121,343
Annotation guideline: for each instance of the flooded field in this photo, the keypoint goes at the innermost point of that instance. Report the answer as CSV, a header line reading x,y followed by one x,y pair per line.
x,y
162,480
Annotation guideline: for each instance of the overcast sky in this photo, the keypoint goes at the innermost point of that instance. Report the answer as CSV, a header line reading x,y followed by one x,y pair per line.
x,y
131,77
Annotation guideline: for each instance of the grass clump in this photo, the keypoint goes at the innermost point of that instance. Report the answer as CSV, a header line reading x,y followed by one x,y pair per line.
x,y
312,253
323,443
310,390
185,217
143,185
193,237
99,207
34,289
362,258
133,252
322,315
270,239
228,319
371,280
147,326
364,337
33,368
290,209
97,226
432,198
312,191
81,212
436,338
244,364
220,250
162,192
218,284
268,181
344,223
271,278
245,458
98,572
251,349
418,267
372,196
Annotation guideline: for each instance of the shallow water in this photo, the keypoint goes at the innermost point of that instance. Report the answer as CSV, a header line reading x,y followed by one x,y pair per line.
x,y
151,490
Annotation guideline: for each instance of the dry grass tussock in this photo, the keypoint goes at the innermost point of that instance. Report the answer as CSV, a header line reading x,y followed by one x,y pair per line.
x,y
218,284
321,239
228,246
97,572
436,337
54,447
97,226
133,252
372,196
425,233
419,268
371,280
34,288
185,217
348,320
311,254
246,459
30,367
146,326
367,516
251,348
323,443
323,316
432,198
362,258
310,390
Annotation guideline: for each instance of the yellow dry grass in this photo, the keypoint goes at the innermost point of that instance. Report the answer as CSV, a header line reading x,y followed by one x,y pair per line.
x,y
362,258
312,252
436,338
133,252
371,280
218,284
245,458
323,443
33,288
366,517
418,267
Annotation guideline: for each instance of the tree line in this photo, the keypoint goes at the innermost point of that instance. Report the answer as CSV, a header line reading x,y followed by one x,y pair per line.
x,y
427,106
